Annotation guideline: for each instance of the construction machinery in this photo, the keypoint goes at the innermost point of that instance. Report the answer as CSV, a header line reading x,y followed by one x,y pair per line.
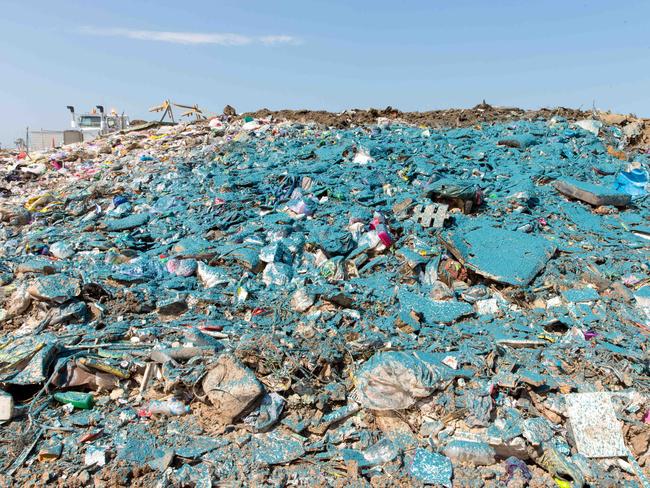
x,y
83,127
97,122
166,107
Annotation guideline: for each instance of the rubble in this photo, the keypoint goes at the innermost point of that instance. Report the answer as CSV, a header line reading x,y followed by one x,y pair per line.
x,y
394,381
593,194
431,468
371,297
504,256
231,387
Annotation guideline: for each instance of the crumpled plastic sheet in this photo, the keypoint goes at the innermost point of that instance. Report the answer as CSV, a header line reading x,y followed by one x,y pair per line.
x,y
394,381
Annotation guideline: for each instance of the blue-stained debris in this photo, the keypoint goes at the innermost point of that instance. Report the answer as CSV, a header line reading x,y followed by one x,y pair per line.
x,y
504,256
578,295
431,468
268,412
277,448
593,194
265,302
433,311
126,223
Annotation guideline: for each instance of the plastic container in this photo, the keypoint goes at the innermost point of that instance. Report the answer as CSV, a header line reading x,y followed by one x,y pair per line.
x,y
469,452
77,399
384,236
164,407
633,182
119,200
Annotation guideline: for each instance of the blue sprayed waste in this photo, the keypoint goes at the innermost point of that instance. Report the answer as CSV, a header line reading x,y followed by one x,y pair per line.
x,y
501,255
431,468
281,280
592,193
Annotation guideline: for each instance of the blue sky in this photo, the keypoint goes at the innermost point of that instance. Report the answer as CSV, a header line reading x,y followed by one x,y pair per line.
x,y
331,55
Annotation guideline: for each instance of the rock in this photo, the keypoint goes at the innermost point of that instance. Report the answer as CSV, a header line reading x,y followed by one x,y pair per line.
x,y
613,119
639,443
232,388
116,394
83,478
595,428
95,456
162,462
487,307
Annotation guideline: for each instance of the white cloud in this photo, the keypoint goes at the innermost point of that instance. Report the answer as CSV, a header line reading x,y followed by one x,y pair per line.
x,y
217,38
272,40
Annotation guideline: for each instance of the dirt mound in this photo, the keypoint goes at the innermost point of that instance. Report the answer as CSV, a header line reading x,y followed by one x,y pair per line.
x,y
455,117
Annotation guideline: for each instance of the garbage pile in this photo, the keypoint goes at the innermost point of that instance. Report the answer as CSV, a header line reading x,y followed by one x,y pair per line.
x,y
250,301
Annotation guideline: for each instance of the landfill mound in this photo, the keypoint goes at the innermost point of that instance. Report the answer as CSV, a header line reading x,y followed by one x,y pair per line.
x,y
636,130
446,118
252,300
